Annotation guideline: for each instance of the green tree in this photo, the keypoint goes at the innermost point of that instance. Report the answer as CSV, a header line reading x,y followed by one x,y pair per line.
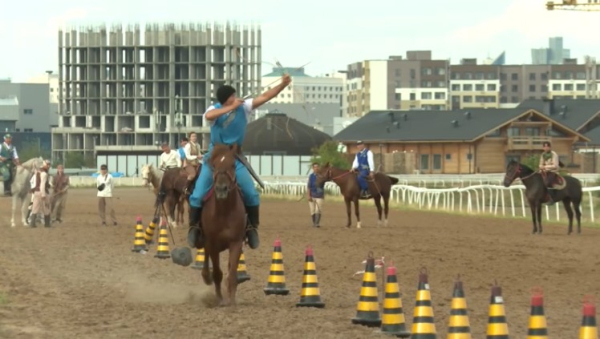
x,y
74,160
328,152
31,149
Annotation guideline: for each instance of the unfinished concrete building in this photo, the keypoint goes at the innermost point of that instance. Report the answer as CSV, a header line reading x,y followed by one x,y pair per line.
x,y
126,91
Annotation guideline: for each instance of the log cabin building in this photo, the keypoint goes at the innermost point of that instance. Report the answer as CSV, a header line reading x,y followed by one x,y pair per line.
x,y
477,140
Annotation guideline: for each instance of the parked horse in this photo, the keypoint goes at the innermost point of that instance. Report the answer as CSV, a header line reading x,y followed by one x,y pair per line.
x,y
379,186
152,176
537,193
223,221
20,187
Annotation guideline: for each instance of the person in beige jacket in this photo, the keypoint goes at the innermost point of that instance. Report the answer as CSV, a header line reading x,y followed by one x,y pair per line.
x,y
40,187
105,185
59,198
550,163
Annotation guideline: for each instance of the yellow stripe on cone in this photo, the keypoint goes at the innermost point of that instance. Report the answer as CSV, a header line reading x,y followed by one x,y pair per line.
x,y
458,324
162,251
538,329
497,327
276,282
199,261
149,234
393,321
310,295
423,326
367,308
139,244
242,274
588,329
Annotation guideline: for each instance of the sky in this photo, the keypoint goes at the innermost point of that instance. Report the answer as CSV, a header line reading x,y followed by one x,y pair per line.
x,y
328,35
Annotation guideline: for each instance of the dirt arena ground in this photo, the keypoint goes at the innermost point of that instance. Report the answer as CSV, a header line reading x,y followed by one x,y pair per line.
x,y
81,280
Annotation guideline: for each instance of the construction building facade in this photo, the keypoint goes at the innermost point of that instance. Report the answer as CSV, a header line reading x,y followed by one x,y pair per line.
x,y
126,91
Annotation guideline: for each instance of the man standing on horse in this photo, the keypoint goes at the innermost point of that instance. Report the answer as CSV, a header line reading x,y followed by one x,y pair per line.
x,y
59,198
549,164
168,159
364,164
228,119
315,196
40,185
8,160
193,156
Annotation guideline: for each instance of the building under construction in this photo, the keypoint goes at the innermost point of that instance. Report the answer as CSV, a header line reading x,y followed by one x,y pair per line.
x,y
126,91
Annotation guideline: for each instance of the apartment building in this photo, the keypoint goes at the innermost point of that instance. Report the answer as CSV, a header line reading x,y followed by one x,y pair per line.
x,y
326,89
25,107
128,90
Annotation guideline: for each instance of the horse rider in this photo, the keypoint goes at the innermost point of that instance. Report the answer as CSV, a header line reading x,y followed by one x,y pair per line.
x,y
549,163
169,159
181,150
60,183
228,119
364,164
193,156
316,194
8,160
40,185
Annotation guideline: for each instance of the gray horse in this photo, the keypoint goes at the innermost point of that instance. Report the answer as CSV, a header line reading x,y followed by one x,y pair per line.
x,y
20,187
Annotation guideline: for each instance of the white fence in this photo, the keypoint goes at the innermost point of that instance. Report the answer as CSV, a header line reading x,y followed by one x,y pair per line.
x,y
475,199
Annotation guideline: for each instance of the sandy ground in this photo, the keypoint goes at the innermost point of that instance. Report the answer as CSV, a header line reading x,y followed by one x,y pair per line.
x,y
80,280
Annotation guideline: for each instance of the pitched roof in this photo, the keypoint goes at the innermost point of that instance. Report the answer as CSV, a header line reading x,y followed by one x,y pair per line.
x,y
426,125
579,111
594,136
276,132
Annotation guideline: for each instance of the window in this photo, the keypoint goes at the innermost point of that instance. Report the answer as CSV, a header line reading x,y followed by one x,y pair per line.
x,y
468,98
28,130
544,76
513,131
556,87
440,95
544,88
425,95
515,88
479,75
424,162
491,87
467,87
495,133
514,76
504,100
437,162
455,88
413,96
398,97
27,111
568,87
532,131
580,75
502,76
531,87
479,87
448,156
531,76
581,87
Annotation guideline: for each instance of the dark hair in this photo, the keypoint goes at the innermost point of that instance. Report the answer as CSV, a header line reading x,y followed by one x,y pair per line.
x,y
224,92
184,139
547,143
103,167
315,163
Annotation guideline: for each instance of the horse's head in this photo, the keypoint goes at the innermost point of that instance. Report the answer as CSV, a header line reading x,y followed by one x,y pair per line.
x,y
146,172
222,162
324,174
513,171
33,163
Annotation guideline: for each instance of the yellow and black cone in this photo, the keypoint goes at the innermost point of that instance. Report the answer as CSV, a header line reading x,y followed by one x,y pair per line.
x,y
162,251
459,326
310,296
367,308
139,244
588,329
276,282
393,321
538,329
149,234
497,327
199,262
242,274
423,326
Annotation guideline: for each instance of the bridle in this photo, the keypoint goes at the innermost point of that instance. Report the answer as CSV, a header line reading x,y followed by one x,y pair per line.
x,y
516,174
232,178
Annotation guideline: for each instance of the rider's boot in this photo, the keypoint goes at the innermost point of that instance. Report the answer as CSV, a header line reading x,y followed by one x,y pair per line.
x,y
251,230
189,187
195,237
318,220
314,219
47,221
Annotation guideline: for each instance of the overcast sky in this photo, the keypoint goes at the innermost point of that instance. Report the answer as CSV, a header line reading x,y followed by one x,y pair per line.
x,y
329,34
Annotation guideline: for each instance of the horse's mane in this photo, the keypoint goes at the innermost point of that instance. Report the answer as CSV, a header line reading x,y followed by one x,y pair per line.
x,y
29,164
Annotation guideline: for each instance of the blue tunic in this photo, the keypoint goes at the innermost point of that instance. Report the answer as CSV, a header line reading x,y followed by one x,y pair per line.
x,y
363,168
182,153
227,129
315,191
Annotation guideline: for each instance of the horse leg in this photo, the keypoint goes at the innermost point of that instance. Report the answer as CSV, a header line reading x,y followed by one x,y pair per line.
x,y
533,208
348,211
379,209
357,212
567,204
235,251
171,204
24,208
577,206
217,275
386,207
205,270
539,217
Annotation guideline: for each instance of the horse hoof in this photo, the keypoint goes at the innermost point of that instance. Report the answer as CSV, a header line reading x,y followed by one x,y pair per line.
x,y
358,224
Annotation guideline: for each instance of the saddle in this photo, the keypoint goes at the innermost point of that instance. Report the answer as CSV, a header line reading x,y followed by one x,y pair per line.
x,y
554,180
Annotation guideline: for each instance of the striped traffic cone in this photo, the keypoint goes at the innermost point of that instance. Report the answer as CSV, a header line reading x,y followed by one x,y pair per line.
x,y
242,274
276,282
139,244
423,326
588,329
393,321
199,261
497,327
162,251
367,309
149,234
459,326
310,296
538,329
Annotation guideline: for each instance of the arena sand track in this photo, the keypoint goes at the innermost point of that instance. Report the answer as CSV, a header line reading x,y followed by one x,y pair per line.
x,y
80,280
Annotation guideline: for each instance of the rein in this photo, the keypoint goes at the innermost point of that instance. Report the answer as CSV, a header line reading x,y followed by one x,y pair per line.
x,y
517,174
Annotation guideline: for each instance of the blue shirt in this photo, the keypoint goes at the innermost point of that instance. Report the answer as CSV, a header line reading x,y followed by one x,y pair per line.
x,y
181,153
230,128
363,159
315,191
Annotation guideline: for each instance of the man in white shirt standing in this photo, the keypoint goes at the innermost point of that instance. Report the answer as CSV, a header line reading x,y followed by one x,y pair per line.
x,y
105,186
169,159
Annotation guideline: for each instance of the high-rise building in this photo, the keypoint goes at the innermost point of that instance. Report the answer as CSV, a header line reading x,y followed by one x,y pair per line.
x,y
128,90
554,54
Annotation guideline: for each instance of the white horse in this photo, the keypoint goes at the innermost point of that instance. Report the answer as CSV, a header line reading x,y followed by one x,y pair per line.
x,y
20,187
153,176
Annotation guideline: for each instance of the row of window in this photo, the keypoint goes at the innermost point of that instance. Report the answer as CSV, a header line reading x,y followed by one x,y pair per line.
x,y
568,75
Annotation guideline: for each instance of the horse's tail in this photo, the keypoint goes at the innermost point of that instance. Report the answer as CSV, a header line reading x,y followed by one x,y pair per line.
x,y
393,179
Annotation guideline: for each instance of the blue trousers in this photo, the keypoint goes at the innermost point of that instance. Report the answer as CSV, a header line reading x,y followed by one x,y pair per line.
x,y
205,182
362,179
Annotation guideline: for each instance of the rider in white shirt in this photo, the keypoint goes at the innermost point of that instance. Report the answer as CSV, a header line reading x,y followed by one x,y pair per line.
x,y
169,159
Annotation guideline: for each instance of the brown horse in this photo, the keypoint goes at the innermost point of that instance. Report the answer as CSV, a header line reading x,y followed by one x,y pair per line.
x,y
172,187
152,176
223,221
379,186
